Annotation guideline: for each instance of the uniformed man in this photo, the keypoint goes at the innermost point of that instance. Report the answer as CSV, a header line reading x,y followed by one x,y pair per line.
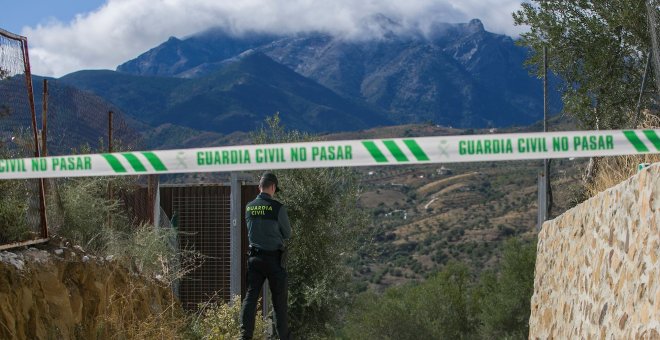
x,y
268,227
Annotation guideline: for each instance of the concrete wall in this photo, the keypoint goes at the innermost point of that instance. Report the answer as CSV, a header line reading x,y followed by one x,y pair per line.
x,y
598,269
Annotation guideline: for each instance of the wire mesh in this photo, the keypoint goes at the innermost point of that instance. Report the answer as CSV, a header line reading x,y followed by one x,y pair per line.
x,y
78,121
20,202
203,222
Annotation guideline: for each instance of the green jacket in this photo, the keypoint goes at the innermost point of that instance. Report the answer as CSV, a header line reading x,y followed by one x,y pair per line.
x,y
267,222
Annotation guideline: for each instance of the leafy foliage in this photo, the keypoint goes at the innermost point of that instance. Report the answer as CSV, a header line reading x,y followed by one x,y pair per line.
x,y
452,304
598,48
325,222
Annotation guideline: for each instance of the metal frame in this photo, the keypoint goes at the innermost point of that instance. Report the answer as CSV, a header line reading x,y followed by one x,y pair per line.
x,y
37,153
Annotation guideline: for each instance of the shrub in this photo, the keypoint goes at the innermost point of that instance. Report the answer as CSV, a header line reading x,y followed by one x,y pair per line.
x,y
222,321
440,308
85,211
148,249
452,304
13,211
14,202
505,298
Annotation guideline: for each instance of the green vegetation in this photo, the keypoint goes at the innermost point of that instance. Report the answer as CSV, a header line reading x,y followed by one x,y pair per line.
x,y
13,211
598,48
14,204
85,214
452,304
326,224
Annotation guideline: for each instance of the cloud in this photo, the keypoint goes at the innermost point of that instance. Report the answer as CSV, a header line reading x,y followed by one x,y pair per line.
x,y
122,29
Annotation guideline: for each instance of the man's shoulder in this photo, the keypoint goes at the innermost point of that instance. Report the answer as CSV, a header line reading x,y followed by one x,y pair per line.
x,y
263,200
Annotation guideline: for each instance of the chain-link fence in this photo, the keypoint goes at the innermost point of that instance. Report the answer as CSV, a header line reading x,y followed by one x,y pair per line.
x,y
40,117
22,206
78,122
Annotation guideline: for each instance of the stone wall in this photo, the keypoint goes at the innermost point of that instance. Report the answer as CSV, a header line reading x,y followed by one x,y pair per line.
x,y
598,269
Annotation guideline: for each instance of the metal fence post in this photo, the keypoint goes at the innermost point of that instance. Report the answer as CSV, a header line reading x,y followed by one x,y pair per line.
x,y
152,199
542,199
235,237
44,120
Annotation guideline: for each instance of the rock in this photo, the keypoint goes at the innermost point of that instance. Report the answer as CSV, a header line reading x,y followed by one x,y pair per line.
x,y
59,251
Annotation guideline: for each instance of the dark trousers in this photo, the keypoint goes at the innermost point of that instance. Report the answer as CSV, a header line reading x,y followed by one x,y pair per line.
x,y
260,268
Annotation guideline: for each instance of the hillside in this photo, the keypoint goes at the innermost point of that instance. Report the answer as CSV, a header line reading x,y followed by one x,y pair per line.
x,y
236,97
427,216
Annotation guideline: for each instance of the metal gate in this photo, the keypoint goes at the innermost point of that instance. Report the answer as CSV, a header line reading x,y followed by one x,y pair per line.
x,y
204,222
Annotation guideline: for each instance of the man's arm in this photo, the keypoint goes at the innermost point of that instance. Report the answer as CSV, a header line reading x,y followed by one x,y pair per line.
x,y
285,225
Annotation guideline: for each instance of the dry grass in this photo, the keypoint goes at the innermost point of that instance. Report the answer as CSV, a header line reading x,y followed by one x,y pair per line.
x,y
614,170
222,322
138,311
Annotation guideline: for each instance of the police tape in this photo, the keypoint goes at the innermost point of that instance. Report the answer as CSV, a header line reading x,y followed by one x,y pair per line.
x,y
343,153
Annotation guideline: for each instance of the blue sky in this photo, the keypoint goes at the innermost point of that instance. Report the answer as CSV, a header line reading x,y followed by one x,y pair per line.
x,y
70,35
21,13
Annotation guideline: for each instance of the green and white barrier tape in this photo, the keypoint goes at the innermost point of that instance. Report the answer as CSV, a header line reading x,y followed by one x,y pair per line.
x,y
423,150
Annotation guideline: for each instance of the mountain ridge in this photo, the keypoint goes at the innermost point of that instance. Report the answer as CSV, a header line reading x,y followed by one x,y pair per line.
x,y
452,74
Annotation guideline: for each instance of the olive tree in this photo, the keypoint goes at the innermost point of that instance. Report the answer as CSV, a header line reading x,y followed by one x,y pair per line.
x,y
326,222
598,48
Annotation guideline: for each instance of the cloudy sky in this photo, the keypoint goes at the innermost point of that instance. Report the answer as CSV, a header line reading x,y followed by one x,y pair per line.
x,y
70,35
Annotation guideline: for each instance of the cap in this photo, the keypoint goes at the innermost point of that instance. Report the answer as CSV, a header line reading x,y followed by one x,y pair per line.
x,y
269,178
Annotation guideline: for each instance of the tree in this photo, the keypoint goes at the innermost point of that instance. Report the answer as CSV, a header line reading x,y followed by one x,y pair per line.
x,y
442,307
453,304
505,297
322,206
598,48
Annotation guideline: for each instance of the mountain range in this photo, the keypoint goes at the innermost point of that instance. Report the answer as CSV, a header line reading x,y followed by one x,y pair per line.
x,y
453,74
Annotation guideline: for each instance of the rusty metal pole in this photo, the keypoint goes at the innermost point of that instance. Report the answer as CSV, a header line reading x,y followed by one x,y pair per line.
x,y
44,128
28,79
44,120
